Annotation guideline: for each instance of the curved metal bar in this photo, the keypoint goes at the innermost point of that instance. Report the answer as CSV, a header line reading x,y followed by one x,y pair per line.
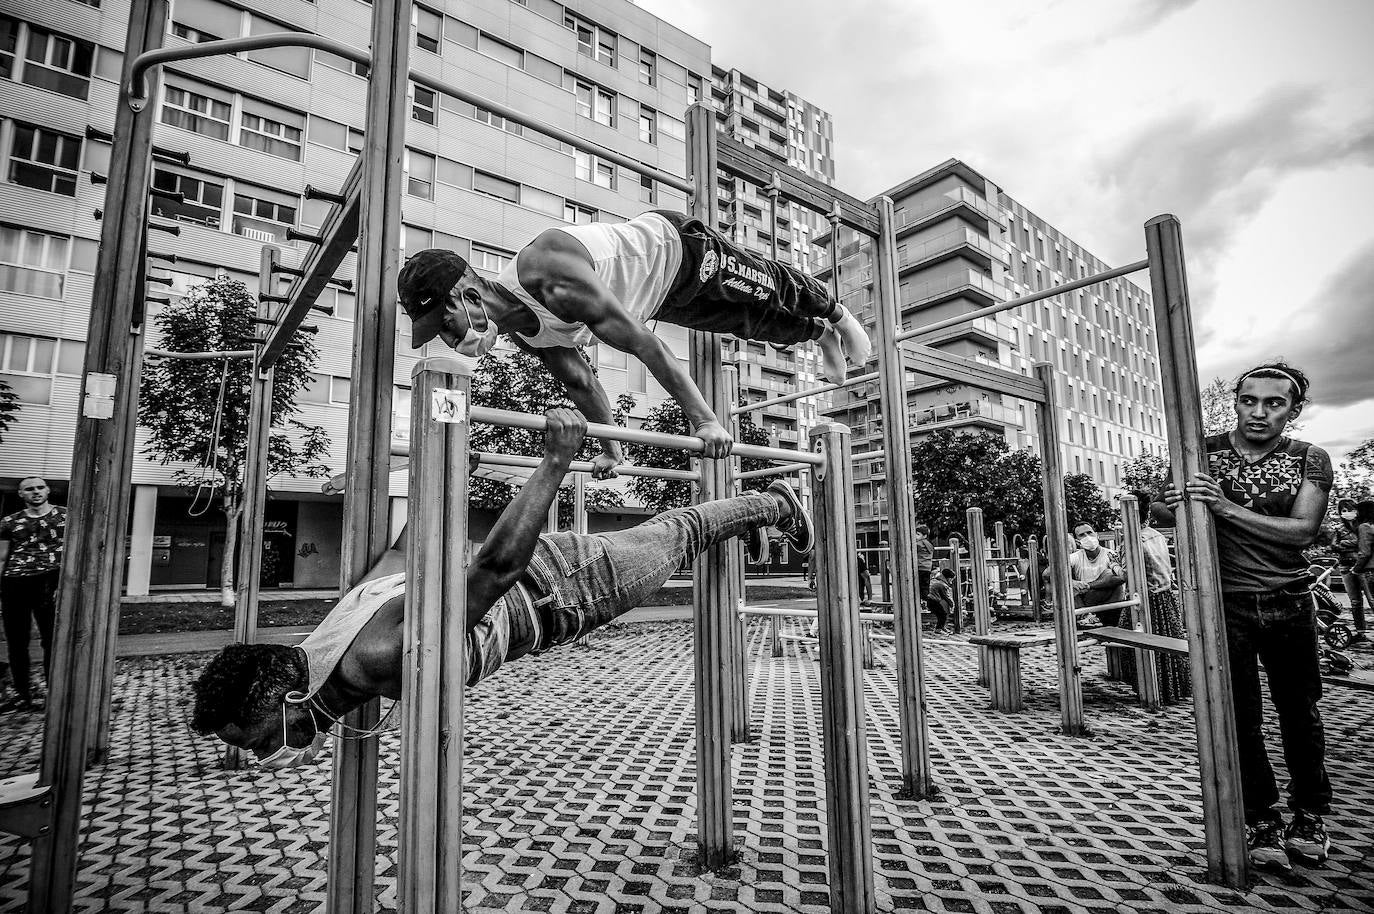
x,y
801,394
1023,300
138,87
228,354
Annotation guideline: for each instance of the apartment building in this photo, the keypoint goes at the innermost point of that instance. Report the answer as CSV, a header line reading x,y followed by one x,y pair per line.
x,y
238,139
963,243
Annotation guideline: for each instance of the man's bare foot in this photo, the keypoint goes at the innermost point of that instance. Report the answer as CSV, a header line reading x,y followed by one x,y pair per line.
x,y
853,340
832,355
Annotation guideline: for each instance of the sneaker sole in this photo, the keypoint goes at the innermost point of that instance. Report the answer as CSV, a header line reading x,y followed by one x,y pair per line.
x,y
1272,864
799,514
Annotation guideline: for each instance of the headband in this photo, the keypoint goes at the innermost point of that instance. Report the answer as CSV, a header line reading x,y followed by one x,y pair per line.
x,y
1297,385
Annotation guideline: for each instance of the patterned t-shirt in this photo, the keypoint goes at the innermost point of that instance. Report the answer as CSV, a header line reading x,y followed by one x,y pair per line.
x,y
1251,563
35,542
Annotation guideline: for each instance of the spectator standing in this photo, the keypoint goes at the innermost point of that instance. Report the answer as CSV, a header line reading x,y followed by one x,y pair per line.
x,y
30,560
865,584
1362,566
1166,618
1345,542
1268,494
925,560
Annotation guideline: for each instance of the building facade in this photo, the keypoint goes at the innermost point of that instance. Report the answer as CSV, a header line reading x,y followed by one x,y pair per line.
x,y
963,243
238,139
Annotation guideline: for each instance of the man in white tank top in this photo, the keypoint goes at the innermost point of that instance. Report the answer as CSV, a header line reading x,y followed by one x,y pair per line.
x,y
606,282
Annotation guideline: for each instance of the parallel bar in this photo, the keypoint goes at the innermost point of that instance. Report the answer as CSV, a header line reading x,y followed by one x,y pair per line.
x,y
738,159
1011,303
802,394
340,231
1199,579
1056,541
1133,550
844,738
978,573
917,779
584,466
779,470
937,363
511,419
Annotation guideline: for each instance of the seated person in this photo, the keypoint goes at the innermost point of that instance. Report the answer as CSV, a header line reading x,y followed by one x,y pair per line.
x,y
940,598
1097,574
526,592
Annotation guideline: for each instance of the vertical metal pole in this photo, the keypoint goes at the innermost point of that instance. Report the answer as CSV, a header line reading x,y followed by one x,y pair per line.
x,y
774,189
353,820
848,825
739,625
97,504
711,580
978,575
1198,575
579,526
551,524
430,837
1033,575
957,622
901,508
255,471
1057,540
1132,550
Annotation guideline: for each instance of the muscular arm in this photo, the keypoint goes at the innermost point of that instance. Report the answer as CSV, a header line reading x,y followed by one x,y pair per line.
x,y
582,384
1299,528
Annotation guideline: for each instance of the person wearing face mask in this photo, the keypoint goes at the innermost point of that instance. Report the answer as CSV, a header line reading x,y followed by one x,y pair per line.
x,y
527,592
607,282
1345,542
1361,565
1096,573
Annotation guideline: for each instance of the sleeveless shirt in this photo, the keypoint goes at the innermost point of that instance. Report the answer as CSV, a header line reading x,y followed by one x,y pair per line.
x,y
638,261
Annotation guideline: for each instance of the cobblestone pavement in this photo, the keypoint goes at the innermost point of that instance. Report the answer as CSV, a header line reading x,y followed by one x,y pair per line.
x,y
580,792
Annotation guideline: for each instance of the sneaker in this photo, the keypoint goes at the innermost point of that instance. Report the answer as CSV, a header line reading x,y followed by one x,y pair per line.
x,y
832,356
797,528
756,546
1265,841
855,342
1306,837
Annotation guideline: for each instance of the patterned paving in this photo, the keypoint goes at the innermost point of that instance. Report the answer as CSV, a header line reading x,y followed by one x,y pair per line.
x,y
580,792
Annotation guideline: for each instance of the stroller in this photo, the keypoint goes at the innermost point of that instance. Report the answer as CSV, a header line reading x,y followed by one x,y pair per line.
x,y
1329,625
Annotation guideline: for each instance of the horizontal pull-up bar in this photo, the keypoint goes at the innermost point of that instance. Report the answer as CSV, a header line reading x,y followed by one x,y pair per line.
x,y
801,394
778,470
510,419
138,90
1023,300
582,466
228,354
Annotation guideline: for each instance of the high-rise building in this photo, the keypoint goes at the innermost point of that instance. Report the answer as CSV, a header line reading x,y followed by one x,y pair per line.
x,y
238,139
963,243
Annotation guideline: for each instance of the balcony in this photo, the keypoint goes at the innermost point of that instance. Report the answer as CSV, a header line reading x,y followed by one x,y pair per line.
x,y
943,246
942,288
913,217
984,329
967,412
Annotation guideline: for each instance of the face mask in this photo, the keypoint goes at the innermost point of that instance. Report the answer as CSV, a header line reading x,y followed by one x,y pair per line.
x,y
288,756
481,330
1088,542
1348,515
474,346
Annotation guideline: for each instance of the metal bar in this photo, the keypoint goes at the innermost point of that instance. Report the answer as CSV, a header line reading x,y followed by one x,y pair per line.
x,y
937,363
774,188
711,588
1117,604
802,394
734,555
583,467
848,822
227,354
978,574
98,495
1011,303
806,613
374,190
511,419
779,470
1133,550
1198,573
738,159
1056,541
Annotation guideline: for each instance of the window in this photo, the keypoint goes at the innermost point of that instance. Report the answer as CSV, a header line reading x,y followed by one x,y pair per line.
x,y
506,53
639,381
343,64
202,199
323,388
592,40
648,67
416,239
422,105
596,103
648,125
272,130
648,190
496,120
58,63
610,357
429,28
44,159
493,186
9,43
291,61
206,20
590,168
492,260
262,214
419,174
693,88
197,108
29,362
32,263
327,133
193,35
578,214
454,173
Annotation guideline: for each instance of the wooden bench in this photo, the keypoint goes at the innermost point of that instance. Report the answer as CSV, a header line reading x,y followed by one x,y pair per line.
x,y
25,807
1127,637
1004,667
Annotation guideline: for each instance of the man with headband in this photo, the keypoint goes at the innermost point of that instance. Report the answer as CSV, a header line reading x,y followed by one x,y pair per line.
x,y
1268,494
608,282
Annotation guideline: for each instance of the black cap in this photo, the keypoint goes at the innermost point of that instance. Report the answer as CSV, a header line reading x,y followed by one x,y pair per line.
x,y
424,284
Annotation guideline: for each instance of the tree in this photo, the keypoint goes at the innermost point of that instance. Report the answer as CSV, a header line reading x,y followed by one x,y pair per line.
x,y
1355,475
518,381
1084,503
1146,473
196,411
668,418
9,407
1218,410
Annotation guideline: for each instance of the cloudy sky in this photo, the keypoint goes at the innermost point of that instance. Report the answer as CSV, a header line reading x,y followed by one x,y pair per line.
x,y
1251,120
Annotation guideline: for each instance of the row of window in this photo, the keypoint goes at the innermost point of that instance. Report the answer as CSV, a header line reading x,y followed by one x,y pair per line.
x,y
35,263
29,363
46,59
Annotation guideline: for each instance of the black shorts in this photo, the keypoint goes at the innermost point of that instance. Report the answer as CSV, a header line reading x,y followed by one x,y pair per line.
x,y
723,288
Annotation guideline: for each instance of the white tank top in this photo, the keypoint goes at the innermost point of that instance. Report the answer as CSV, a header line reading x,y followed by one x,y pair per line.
x,y
638,261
